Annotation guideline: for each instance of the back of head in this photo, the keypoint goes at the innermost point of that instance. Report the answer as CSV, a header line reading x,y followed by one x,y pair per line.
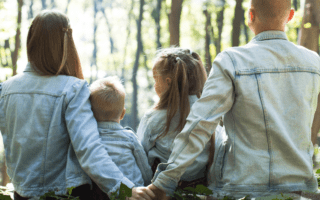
x,y
272,11
187,74
50,46
107,99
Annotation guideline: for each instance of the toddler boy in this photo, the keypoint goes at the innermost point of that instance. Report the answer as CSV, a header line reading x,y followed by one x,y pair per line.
x,y
107,99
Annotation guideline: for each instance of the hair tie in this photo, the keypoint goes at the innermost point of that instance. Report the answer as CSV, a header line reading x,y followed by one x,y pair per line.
x,y
178,58
67,30
191,52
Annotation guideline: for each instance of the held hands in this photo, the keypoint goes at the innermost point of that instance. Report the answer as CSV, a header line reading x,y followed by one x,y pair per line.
x,y
141,193
160,194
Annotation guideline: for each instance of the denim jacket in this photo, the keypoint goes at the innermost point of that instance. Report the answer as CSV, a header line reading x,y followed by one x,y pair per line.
x,y
48,131
151,125
126,152
267,91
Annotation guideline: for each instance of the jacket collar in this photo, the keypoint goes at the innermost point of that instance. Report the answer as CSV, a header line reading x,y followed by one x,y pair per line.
x,y
270,35
28,68
109,125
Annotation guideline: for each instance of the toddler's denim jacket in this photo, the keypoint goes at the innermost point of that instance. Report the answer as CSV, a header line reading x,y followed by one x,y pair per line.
x,y
152,124
48,128
126,152
267,92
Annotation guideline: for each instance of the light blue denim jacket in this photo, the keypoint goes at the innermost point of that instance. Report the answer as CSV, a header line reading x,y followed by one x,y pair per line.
x,y
48,128
151,125
267,91
126,152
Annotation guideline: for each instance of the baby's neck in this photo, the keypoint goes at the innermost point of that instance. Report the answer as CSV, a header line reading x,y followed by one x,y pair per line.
x,y
117,121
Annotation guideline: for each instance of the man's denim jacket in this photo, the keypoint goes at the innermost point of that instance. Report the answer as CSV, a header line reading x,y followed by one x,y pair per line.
x,y
152,124
48,128
267,92
126,152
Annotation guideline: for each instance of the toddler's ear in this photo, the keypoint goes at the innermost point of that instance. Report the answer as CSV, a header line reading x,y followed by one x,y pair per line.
x,y
123,113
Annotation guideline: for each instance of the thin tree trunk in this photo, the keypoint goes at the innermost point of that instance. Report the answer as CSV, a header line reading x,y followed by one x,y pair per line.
x,y
44,4
66,10
208,29
127,41
112,48
30,13
135,70
156,15
245,28
53,4
94,53
15,53
309,38
220,17
295,4
236,23
174,22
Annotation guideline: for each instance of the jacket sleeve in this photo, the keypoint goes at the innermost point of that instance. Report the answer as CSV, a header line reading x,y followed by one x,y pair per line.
x,y
84,136
216,100
142,161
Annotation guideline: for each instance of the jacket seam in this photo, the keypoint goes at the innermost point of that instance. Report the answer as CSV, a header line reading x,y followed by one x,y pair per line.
x,y
266,127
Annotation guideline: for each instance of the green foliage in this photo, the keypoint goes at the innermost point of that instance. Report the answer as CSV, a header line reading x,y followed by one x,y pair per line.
x,y
5,197
60,197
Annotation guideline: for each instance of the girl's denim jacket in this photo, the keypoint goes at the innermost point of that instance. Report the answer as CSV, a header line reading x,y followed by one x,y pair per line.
x,y
151,125
267,92
49,131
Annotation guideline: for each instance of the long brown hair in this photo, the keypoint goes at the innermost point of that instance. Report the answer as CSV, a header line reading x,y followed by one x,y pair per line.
x,y
187,75
50,46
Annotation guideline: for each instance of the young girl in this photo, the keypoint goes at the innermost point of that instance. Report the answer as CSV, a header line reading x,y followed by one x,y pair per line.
x,y
179,79
50,135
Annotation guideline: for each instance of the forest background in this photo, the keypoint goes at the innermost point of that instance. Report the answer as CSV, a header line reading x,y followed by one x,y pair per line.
x,y
120,37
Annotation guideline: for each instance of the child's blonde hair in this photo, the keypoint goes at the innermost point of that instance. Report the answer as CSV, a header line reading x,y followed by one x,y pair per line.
x,y
187,74
107,98
50,46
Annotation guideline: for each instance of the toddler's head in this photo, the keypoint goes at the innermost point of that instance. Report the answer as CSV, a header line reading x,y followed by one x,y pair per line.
x,y
178,73
107,99
50,46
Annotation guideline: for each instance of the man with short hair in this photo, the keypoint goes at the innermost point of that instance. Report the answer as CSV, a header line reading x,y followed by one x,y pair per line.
x,y
267,92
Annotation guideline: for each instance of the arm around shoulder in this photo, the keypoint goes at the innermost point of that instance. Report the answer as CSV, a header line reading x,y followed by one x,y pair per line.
x,y
84,136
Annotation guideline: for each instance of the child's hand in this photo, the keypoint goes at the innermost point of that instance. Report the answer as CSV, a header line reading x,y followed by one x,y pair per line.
x,y
141,193
160,194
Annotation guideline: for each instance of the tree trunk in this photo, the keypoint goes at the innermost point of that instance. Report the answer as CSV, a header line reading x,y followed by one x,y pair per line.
x,y
127,41
66,10
309,32
94,53
208,30
295,5
134,107
174,22
309,38
156,15
44,4
245,28
238,13
30,13
15,53
220,17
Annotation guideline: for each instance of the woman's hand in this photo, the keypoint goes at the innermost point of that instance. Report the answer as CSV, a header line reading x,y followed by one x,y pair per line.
x,y
141,193
160,194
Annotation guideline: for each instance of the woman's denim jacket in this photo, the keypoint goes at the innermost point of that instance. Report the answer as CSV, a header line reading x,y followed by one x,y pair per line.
x,y
151,125
267,91
48,128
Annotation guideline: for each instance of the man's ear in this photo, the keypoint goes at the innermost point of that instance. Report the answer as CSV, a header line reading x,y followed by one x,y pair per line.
x,y
123,113
252,15
291,15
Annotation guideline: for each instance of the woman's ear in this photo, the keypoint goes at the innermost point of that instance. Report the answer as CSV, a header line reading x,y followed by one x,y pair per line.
x,y
168,81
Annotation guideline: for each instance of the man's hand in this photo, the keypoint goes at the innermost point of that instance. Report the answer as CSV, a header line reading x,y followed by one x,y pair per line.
x,y
141,193
160,194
